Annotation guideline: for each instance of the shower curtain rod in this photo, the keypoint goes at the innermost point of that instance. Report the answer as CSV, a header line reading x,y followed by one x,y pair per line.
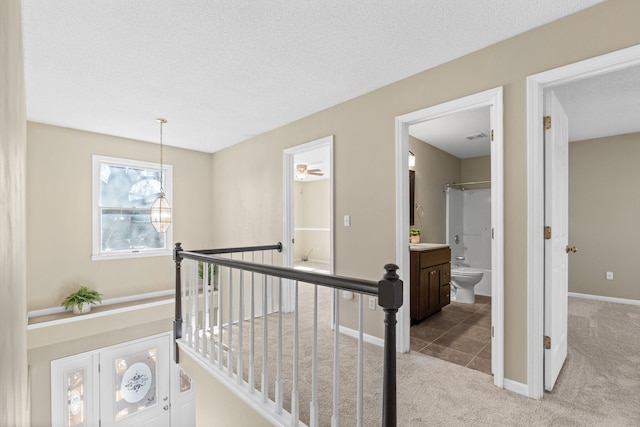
x,y
468,183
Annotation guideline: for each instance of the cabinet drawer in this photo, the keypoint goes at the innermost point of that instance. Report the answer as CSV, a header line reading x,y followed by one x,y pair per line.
x,y
435,257
445,295
445,275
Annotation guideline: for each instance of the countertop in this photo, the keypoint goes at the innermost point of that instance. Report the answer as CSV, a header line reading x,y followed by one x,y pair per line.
x,y
426,246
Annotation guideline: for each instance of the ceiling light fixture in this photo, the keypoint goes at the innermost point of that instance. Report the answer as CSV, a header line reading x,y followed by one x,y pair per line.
x,y
412,161
160,208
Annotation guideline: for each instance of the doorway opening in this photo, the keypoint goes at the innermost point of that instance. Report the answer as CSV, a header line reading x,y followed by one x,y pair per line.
x,y
452,206
492,101
308,211
546,320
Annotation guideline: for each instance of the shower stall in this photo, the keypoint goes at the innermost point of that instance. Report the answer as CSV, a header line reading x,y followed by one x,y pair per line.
x,y
469,232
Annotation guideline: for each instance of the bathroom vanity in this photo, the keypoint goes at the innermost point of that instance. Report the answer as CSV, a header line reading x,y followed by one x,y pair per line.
x,y
430,276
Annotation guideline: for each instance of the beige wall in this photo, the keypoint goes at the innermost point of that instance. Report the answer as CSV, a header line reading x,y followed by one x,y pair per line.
x,y
604,210
364,134
215,404
14,406
312,210
59,215
434,170
476,169
59,162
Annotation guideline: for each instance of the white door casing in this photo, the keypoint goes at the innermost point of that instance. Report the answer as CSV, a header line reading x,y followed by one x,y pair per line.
x,y
536,86
288,210
493,99
556,153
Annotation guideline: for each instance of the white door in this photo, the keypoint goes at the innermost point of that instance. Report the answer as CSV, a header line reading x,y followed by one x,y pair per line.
x,y
134,386
556,149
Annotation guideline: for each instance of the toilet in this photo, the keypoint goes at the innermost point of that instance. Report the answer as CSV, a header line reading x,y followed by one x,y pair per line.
x,y
464,280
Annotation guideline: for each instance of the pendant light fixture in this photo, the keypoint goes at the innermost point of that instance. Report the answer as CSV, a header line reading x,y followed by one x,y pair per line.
x,y
160,208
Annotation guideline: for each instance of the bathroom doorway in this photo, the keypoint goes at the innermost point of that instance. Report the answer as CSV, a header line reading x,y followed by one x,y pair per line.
x,y
425,212
452,206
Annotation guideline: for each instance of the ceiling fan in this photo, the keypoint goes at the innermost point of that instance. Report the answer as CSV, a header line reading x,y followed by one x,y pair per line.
x,y
302,171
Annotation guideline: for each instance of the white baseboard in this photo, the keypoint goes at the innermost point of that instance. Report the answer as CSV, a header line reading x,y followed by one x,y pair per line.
x,y
607,299
516,387
366,337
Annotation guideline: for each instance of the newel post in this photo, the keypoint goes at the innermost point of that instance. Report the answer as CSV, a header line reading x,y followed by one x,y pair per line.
x,y
177,323
390,299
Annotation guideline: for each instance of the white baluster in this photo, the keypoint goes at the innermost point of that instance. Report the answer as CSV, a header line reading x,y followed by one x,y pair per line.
x,y
265,342
335,418
313,418
359,395
220,355
279,392
252,334
240,375
295,404
212,323
230,326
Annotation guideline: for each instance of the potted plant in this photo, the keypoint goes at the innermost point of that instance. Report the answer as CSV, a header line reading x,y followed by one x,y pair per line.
x,y
82,300
414,235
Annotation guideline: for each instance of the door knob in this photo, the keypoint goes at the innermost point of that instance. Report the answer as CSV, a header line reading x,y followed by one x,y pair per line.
x,y
572,249
166,407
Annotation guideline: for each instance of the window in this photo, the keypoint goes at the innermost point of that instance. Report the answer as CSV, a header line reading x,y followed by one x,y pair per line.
x,y
123,191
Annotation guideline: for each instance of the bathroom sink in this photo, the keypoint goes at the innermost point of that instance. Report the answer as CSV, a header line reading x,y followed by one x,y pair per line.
x,y
426,246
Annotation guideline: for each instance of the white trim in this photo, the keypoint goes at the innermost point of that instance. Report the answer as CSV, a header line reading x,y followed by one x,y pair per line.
x,y
367,338
515,387
605,299
536,84
254,400
96,230
489,98
93,315
288,225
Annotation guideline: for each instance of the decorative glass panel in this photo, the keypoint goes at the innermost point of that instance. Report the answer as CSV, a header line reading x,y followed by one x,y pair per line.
x,y
135,383
185,382
75,389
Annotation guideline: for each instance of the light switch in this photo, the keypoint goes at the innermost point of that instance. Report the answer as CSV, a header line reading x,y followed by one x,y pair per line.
x,y
347,220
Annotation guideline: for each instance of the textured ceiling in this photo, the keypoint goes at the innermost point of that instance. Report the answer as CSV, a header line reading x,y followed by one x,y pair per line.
x,y
221,72
605,105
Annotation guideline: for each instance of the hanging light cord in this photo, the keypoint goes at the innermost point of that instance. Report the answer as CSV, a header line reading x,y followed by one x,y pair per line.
x,y
161,121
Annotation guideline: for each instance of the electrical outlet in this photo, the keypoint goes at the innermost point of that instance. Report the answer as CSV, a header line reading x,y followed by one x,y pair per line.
x,y
347,220
609,275
372,303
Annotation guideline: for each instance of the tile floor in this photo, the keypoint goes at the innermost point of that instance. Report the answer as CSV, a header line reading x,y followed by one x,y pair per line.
x,y
459,333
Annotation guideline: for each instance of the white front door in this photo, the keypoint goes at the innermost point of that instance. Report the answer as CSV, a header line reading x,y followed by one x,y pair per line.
x,y
134,386
556,149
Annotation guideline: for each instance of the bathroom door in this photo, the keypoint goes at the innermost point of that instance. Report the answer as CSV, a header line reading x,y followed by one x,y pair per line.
x,y
556,149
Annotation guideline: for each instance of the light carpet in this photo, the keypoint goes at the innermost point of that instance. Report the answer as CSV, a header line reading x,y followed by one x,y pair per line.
x,y
598,386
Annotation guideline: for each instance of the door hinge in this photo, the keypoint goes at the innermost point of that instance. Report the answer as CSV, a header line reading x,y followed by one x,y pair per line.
x,y
547,232
547,122
492,332
547,342
492,233
492,134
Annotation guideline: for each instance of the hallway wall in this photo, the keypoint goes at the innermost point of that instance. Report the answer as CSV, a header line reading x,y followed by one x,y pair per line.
x,y
364,134
604,208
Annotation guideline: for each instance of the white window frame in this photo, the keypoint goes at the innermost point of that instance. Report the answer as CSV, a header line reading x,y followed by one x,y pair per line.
x,y
97,253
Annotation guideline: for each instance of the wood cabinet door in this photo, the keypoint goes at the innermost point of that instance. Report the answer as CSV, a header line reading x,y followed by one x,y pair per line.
x,y
433,304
